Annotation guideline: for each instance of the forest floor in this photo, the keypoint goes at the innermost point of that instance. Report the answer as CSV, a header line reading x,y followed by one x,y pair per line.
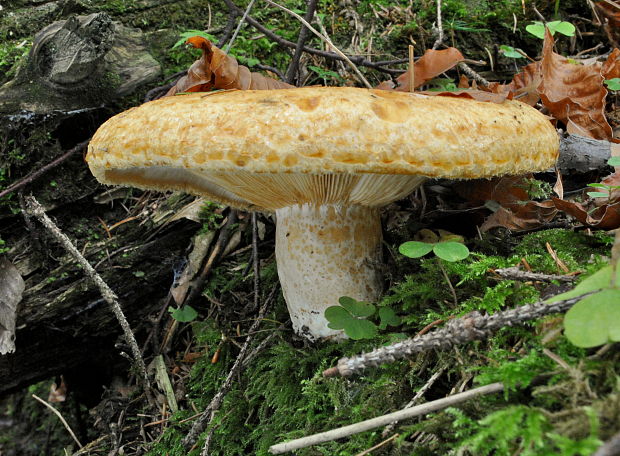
x,y
228,375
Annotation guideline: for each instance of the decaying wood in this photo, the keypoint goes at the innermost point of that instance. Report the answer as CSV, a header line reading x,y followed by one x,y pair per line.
x,y
582,155
78,63
108,295
63,323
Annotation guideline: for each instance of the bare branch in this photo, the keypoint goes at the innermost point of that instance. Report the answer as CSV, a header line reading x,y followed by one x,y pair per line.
x,y
470,327
106,292
379,421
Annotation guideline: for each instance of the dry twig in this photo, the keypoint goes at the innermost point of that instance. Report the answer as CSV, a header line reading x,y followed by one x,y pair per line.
x,y
62,420
38,173
293,68
241,22
373,423
324,38
209,413
470,327
357,60
439,39
106,292
515,273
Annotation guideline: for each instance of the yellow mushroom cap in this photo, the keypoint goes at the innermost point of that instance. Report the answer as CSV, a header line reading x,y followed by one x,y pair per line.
x,y
272,148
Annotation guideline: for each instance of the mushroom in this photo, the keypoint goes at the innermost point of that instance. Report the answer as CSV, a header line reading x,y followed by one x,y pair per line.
x,y
324,160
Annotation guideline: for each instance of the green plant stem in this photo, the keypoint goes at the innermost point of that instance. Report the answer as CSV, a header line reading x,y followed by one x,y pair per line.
x,y
445,274
615,257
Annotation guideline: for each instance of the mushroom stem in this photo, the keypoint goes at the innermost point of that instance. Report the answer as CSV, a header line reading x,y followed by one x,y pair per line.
x,y
325,252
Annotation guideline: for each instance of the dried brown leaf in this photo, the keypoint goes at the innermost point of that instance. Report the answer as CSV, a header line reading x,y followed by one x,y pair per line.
x,y
605,217
217,70
516,211
528,216
472,94
524,85
573,93
430,65
611,66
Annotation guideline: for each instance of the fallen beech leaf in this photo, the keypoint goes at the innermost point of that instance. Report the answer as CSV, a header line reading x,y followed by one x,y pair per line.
x,y
478,95
507,191
516,211
528,216
431,64
606,217
58,393
573,93
611,15
217,70
11,290
524,85
611,66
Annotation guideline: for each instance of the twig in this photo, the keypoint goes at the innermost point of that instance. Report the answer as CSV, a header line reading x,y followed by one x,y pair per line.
x,y
373,423
377,446
160,91
293,68
411,69
228,29
472,326
38,173
472,74
215,253
431,381
358,60
515,273
455,299
241,22
255,261
324,38
106,292
209,413
439,39
275,70
62,420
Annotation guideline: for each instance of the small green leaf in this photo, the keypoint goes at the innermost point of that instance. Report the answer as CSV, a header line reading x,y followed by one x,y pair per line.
x,y
565,28
537,29
595,320
360,329
598,194
356,328
598,185
337,316
415,249
358,309
613,84
388,317
139,274
511,52
451,251
183,314
597,281
615,161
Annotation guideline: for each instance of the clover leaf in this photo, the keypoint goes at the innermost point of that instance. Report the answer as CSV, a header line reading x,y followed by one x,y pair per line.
x,y
387,317
183,314
595,320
